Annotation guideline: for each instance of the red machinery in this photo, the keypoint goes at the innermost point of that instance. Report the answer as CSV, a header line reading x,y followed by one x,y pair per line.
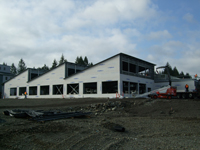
x,y
167,93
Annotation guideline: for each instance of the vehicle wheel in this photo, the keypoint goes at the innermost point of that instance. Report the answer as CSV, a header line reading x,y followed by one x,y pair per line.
x,y
154,96
190,95
178,96
183,96
169,97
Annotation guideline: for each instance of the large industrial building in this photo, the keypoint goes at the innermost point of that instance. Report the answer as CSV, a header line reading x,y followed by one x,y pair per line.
x,y
119,75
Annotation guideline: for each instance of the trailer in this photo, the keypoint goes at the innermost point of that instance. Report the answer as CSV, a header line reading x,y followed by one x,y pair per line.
x,y
193,91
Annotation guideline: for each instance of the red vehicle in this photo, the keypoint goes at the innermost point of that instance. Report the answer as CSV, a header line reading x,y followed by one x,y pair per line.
x,y
167,94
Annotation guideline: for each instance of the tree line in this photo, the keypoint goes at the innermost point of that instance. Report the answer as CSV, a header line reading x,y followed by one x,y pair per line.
x,y
174,72
22,66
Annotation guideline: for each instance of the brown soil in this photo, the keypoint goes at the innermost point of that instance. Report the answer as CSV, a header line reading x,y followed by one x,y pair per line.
x,y
149,124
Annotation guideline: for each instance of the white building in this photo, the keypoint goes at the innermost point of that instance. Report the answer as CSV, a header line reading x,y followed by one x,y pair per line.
x,y
121,74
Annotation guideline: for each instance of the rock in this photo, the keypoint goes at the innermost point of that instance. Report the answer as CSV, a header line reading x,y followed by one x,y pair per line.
x,y
114,108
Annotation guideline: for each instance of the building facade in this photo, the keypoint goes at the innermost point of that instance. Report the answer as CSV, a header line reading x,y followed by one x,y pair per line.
x,y
119,75
5,75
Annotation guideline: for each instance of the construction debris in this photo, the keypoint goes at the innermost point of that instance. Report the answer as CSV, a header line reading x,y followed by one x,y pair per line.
x,y
41,115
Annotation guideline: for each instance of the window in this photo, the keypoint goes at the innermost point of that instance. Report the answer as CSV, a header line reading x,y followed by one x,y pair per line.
x,y
58,89
33,90
44,90
133,87
34,75
132,68
73,88
124,66
71,71
90,88
125,87
109,87
13,91
142,88
22,90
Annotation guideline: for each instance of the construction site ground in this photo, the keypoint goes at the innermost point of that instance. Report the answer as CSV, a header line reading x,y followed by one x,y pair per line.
x,y
148,123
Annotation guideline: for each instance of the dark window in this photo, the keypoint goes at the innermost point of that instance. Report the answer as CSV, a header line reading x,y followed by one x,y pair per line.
x,y
13,91
125,87
132,68
33,90
124,66
142,71
22,90
73,88
34,75
44,90
109,87
90,88
133,87
71,71
142,88
6,78
149,89
58,89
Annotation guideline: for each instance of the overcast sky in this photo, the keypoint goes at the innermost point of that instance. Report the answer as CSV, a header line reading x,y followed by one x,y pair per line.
x,y
158,31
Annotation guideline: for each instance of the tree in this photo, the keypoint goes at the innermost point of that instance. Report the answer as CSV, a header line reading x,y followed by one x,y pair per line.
x,y
175,72
90,64
21,66
54,64
86,61
79,60
45,67
62,60
5,64
13,69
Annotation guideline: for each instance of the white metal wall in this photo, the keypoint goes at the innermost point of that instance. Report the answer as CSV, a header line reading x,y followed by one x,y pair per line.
x,y
180,85
16,82
105,71
51,78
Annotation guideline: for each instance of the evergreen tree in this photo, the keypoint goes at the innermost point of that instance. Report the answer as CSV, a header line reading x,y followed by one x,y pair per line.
x,y
86,61
175,72
54,64
5,64
90,64
21,66
45,67
169,69
13,69
77,60
81,62
187,75
62,60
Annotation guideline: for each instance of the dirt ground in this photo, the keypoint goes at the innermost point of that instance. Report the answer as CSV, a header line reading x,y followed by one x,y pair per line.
x,y
149,124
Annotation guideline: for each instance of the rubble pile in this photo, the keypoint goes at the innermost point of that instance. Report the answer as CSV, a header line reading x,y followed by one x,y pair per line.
x,y
100,107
